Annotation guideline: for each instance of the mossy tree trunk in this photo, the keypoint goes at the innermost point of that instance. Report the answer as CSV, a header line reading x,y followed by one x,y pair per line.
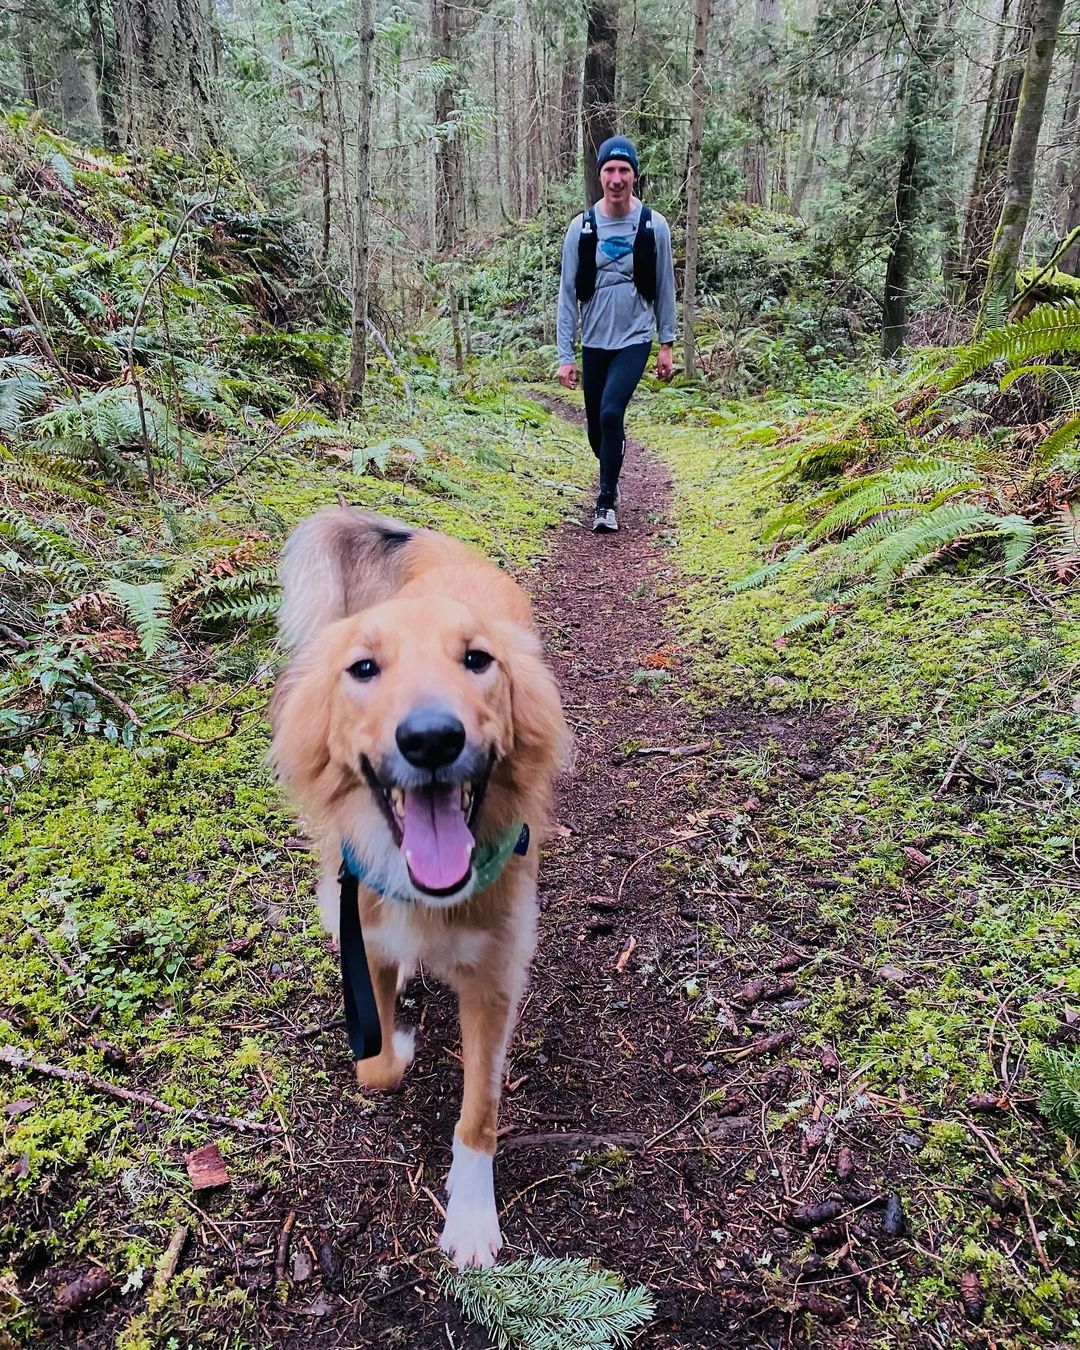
x,y
988,184
1020,175
106,72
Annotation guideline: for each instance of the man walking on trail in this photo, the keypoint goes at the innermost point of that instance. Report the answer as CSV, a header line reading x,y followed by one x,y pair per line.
x,y
616,264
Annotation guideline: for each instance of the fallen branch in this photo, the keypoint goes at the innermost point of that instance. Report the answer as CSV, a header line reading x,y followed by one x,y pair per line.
x,y
573,1140
284,1237
170,1258
18,1059
677,751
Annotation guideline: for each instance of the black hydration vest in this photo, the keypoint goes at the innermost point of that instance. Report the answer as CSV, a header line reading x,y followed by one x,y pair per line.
x,y
644,256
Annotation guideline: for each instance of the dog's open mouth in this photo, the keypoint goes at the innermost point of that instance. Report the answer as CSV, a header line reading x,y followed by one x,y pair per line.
x,y
431,825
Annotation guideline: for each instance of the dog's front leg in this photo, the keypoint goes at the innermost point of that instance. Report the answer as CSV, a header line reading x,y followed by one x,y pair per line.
x,y
385,1070
471,1235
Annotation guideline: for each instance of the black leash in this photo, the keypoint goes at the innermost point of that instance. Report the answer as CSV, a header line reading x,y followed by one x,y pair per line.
x,y
361,1013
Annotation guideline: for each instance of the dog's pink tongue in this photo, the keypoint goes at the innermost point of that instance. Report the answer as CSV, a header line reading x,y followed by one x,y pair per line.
x,y
436,842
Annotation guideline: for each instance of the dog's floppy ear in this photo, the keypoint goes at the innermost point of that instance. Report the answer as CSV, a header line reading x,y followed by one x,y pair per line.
x,y
542,740
335,563
300,718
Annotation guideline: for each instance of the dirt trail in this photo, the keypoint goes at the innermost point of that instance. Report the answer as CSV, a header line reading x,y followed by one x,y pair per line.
x,y
610,1149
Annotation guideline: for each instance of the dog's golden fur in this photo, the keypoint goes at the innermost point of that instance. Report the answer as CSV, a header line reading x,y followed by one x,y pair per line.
x,y
358,588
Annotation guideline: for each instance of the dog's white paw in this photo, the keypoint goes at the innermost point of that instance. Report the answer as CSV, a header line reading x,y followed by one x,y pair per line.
x,y
471,1234
385,1071
404,1046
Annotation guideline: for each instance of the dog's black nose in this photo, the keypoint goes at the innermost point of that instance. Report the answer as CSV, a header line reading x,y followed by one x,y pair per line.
x,y
430,738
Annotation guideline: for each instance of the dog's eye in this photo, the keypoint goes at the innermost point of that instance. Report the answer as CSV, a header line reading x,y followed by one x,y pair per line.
x,y
366,669
477,661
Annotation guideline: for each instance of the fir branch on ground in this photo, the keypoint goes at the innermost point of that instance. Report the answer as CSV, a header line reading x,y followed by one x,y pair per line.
x,y
551,1304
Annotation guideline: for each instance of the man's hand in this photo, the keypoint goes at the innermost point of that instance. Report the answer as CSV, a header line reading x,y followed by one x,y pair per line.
x,y
663,361
568,375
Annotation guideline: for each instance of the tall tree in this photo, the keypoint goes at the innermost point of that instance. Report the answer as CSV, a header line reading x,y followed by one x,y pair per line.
x,y
598,87
693,181
988,183
911,182
106,71
168,65
755,150
362,214
1020,174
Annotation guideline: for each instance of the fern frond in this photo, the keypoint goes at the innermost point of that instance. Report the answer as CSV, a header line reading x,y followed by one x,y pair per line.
x,y
1066,544
1047,330
1019,536
928,531
765,574
148,607
1059,440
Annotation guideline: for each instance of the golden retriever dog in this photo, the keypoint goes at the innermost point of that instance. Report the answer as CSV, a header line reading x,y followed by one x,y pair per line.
x,y
418,727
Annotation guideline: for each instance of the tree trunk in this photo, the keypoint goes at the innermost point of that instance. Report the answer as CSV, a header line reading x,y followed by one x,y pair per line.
x,y
168,64
988,185
693,182
755,150
361,245
1020,174
1067,136
598,88
909,186
25,46
568,113
449,156
106,74
324,160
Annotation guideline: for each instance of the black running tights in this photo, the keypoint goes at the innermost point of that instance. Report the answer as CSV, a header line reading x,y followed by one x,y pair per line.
x,y
608,378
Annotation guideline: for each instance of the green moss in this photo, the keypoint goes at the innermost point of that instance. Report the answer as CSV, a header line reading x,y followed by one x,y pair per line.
x,y
947,702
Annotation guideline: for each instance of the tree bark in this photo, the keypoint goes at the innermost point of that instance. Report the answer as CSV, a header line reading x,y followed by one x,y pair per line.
x,y
168,64
909,186
1020,174
568,113
693,182
362,214
106,73
598,88
755,150
988,185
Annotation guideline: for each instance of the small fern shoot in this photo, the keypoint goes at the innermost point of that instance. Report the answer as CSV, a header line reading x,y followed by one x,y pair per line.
x,y
148,607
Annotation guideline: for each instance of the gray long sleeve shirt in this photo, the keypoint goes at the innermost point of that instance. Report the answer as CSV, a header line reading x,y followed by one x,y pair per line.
x,y
617,315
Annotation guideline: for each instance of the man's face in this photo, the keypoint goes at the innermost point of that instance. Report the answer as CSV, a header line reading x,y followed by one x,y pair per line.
x,y
617,179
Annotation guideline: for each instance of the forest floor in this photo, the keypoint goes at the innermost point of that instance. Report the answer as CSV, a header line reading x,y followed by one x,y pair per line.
x,y
682,1104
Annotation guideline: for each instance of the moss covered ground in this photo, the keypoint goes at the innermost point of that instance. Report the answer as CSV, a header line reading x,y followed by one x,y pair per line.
x,y
937,845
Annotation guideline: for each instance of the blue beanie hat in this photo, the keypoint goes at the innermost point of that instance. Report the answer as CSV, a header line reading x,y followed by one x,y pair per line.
x,y
617,147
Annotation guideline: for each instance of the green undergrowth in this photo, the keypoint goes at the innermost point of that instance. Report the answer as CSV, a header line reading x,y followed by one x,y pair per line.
x,y
937,841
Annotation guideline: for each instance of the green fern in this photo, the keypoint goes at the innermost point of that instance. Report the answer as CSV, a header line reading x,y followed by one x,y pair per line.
x,y
1046,331
148,607
551,1304
22,391
1066,542
1061,439
905,486
763,575
928,532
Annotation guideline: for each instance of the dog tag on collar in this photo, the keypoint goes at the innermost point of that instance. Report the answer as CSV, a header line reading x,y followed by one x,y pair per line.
x,y
522,845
